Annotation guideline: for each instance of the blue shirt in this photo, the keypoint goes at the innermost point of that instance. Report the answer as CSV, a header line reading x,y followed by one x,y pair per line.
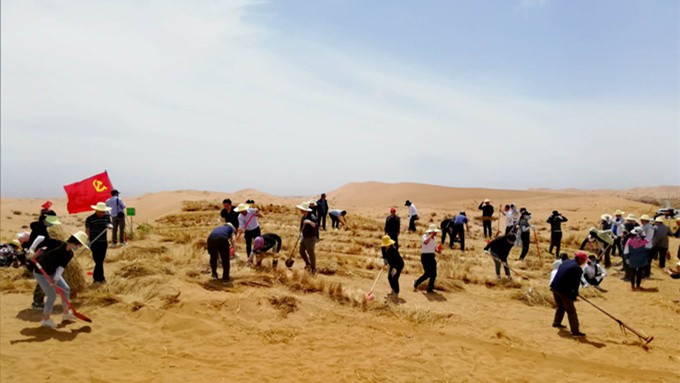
x,y
460,219
223,231
116,205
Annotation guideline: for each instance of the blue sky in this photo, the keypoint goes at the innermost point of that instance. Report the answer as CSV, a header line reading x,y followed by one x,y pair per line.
x,y
299,97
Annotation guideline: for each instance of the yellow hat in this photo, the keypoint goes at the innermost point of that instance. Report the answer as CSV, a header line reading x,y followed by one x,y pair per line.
x,y
644,217
659,219
100,206
432,228
386,241
241,207
631,217
82,238
620,212
487,200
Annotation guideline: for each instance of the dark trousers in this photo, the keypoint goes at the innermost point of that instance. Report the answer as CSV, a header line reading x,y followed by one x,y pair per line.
x,y
249,235
525,244
219,247
396,266
617,247
498,265
607,258
592,281
565,304
430,271
38,295
98,255
412,223
458,231
661,253
487,227
118,224
636,276
508,229
555,241
322,220
335,221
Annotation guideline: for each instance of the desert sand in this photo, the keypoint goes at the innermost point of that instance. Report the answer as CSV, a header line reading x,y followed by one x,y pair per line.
x,y
160,319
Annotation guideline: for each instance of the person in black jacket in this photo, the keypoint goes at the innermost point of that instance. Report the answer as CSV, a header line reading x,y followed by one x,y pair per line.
x,y
565,291
487,214
555,221
264,243
53,256
500,248
46,219
228,213
392,258
322,210
393,226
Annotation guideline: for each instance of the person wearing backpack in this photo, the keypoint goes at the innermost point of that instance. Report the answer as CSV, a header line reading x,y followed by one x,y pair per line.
x,y
117,218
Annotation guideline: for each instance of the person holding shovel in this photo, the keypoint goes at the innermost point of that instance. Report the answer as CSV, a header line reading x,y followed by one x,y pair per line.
x,y
95,227
53,257
500,248
248,224
428,248
565,287
308,240
47,218
392,258
524,229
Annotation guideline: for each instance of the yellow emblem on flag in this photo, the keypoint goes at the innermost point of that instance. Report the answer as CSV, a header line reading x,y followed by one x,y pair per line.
x,y
99,186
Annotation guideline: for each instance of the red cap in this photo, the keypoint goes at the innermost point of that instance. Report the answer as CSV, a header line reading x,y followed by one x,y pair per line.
x,y
47,205
393,210
582,255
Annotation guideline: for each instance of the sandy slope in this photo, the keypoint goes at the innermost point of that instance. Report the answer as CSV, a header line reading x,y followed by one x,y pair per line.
x,y
211,333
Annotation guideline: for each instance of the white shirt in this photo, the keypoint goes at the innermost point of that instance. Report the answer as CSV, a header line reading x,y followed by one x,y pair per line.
x,y
649,234
590,270
244,218
555,265
429,247
336,213
412,210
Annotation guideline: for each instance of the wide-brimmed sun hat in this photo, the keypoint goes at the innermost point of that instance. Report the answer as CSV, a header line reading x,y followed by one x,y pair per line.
x,y
659,219
645,217
619,212
432,228
638,231
100,206
386,241
486,200
606,217
304,206
52,220
82,238
241,207
631,217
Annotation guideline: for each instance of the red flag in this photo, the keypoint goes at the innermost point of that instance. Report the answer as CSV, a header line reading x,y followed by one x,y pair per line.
x,y
81,195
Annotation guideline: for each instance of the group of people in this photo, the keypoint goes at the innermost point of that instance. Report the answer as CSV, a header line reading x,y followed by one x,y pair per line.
x,y
243,220
47,257
639,243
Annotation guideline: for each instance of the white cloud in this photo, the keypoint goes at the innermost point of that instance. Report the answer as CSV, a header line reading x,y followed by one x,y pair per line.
x,y
169,95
